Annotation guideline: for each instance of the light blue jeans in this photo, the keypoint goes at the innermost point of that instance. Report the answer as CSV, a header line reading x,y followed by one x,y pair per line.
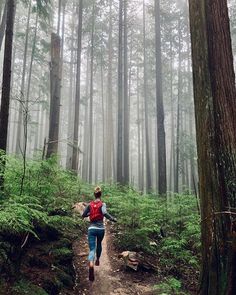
x,y
95,237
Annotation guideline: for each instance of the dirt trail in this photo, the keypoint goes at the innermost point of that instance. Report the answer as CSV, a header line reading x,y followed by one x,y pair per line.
x,y
111,278
105,280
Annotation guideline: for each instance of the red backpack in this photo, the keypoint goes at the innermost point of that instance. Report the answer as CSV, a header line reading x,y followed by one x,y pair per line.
x,y
96,211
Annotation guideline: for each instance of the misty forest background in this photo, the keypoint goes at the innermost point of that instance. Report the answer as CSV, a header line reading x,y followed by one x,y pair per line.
x,y
115,100
100,118
101,92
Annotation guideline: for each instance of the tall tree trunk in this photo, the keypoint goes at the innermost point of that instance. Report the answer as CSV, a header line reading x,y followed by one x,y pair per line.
x,y
177,164
55,91
192,176
86,126
120,98
70,118
143,176
6,85
75,153
148,164
103,122
20,137
215,109
12,110
36,133
172,145
109,125
126,102
32,58
161,141
139,133
97,151
91,99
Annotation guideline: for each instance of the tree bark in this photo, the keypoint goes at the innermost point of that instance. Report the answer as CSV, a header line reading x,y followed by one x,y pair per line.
x,y
161,141
120,98
91,98
139,133
71,100
32,57
86,126
20,127
109,126
6,85
215,109
75,153
126,102
148,164
55,90
177,164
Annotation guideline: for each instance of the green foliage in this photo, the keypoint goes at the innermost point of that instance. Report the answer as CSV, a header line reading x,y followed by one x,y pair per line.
x,y
62,252
144,216
52,186
170,286
43,209
17,217
45,205
26,288
142,219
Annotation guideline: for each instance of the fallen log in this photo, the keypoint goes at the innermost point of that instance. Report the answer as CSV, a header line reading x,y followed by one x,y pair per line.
x,y
136,261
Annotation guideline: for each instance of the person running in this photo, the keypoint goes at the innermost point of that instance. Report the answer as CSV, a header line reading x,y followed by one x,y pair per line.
x,y
96,211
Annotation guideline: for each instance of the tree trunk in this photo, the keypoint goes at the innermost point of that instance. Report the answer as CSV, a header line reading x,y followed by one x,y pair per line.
x,y
32,57
139,137
143,148
55,90
36,132
70,100
177,164
6,85
20,127
161,141
103,122
148,164
172,145
91,99
120,98
75,153
109,126
215,109
86,126
126,102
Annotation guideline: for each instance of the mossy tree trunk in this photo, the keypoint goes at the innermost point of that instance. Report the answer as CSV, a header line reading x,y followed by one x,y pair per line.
x,y
215,107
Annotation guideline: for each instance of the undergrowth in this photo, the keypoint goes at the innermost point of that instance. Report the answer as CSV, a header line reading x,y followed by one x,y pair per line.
x,y
41,212
164,228
167,229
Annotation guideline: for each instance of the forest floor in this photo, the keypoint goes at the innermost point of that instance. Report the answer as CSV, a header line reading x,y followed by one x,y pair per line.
x,y
111,277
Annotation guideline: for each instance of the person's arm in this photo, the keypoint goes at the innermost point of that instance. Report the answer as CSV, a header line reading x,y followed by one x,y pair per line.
x,y
86,211
106,214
